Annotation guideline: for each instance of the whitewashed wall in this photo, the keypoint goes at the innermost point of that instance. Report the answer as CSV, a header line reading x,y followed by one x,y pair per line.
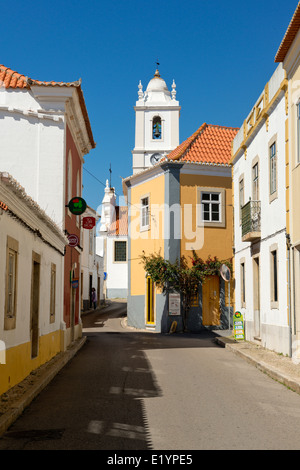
x,y
274,322
117,272
28,242
32,145
91,264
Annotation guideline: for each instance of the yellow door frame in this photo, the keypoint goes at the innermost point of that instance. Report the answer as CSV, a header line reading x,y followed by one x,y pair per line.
x,y
150,301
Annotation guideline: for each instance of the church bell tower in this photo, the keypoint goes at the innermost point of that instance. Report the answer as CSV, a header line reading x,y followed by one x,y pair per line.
x,y
156,123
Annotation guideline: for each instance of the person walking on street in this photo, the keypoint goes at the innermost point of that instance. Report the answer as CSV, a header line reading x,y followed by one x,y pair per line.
x,y
94,297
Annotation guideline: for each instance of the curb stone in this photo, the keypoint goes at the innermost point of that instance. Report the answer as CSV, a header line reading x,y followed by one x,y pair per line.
x,y
280,369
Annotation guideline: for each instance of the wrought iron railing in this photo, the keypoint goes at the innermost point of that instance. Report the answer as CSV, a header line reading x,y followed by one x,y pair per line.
x,y
251,218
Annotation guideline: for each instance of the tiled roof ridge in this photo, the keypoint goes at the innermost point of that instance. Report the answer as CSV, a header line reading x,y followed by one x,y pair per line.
x,y
13,79
289,36
181,151
186,144
224,127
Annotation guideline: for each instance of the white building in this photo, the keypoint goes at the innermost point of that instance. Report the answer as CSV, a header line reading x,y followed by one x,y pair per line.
x,y
157,123
259,181
112,238
31,284
91,264
45,134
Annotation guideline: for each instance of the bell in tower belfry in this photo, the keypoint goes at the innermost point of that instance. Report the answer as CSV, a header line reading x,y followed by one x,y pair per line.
x,y
157,123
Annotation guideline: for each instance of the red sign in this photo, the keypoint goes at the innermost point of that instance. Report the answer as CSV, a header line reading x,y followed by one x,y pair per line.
x,y
88,222
73,240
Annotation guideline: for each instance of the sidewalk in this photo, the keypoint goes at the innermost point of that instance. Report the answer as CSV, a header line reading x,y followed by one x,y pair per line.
x,y
13,402
277,366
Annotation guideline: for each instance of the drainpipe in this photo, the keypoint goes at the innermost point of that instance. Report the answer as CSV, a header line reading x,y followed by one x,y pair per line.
x,y
288,245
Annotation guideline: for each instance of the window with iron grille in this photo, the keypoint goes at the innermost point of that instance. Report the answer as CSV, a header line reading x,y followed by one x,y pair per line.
x,y
120,251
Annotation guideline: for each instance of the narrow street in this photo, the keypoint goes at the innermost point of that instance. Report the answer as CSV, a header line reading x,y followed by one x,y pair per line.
x,y
134,391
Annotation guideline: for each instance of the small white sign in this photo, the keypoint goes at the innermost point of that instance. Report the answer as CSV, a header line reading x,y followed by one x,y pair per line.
x,y
174,304
2,353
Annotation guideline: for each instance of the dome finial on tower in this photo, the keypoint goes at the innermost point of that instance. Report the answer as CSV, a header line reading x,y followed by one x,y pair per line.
x,y
157,75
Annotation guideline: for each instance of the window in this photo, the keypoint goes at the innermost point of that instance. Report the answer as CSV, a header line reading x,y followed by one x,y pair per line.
x,y
273,171
156,128
241,196
35,301
243,284
274,279
145,213
52,292
120,251
211,207
78,193
69,182
255,186
11,284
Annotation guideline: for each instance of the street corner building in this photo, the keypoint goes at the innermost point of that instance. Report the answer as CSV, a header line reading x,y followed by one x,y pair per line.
x,y
266,181
45,133
265,153
179,203
31,276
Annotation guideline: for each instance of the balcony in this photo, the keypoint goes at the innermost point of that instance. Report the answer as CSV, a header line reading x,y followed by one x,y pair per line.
x,y
251,221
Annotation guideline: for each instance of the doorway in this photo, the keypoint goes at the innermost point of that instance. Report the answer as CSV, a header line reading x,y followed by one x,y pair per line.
x,y
72,319
149,301
98,291
211,301
90,289
35,300
256,297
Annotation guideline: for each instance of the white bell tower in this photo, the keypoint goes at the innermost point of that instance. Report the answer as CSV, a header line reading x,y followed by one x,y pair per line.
x,y
156,123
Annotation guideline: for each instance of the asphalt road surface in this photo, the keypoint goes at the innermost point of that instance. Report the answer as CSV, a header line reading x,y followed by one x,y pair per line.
x,y
134,391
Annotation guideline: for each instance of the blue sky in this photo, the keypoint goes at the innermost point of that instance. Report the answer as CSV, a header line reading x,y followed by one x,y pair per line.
x,y
220,54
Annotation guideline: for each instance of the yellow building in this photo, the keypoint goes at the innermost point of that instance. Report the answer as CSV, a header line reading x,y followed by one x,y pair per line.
x,y
180,205
289,55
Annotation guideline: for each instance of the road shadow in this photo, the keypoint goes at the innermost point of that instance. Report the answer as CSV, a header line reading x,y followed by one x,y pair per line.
x,y
97,401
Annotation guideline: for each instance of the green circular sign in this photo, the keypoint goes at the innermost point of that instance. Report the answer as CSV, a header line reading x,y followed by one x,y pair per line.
x,y
77,205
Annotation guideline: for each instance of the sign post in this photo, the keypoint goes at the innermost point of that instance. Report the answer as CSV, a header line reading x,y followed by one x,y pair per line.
x,y
238,326
226,275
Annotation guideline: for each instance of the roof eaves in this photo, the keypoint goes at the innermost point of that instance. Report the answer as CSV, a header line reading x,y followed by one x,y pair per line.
x,y
186,145
289,36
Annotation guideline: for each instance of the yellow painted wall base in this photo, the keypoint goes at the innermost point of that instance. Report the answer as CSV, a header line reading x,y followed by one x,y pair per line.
x,y
19,363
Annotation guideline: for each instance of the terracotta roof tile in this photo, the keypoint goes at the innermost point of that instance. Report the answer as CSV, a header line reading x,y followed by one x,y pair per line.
x,y
209,144
289,36
12,79
120,225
